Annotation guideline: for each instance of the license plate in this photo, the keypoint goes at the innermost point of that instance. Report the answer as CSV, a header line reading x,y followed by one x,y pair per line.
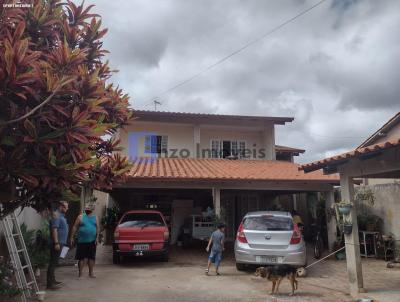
x,y
266,259
141,247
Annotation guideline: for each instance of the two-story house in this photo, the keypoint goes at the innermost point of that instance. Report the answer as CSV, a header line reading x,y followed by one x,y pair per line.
x,y
184,163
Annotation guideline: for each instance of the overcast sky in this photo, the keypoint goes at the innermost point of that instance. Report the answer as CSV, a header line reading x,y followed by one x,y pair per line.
x,y
336,70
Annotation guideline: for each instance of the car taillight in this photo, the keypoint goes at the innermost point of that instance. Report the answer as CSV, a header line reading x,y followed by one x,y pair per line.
x,y
296,237
166,235
240,236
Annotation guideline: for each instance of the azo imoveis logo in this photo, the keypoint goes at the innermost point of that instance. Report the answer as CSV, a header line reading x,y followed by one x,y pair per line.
x,y
17,4
138,139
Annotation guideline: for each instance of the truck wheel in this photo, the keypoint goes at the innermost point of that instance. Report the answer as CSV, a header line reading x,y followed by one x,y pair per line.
x,y
240,267
116,258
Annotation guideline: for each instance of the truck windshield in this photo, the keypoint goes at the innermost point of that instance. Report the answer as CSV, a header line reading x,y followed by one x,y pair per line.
x,y
139,220
268,223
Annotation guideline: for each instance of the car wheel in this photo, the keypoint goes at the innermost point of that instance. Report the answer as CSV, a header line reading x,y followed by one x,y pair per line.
x,y
116,258
240,267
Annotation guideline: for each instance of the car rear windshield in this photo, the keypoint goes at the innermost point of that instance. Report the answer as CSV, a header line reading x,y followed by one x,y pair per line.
x,y
132,220
268,223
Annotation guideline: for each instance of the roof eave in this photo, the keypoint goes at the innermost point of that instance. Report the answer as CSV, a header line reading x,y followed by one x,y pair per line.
x,y
184,116
168,178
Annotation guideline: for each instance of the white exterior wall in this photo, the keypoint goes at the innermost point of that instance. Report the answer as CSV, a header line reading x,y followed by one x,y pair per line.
x,y
186,136
268,138
30,217
386,206
179,136
101,202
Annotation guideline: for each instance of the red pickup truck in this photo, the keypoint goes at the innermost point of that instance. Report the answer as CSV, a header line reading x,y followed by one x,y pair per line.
x,y
141,233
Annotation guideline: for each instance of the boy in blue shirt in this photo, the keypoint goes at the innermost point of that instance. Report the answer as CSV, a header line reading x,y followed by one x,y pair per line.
x,y
217,241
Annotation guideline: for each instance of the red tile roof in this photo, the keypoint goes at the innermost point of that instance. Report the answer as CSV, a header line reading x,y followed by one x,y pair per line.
x,y
345,156
224,169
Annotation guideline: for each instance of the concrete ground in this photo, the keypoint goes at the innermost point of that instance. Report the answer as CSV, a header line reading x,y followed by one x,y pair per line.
x,y
183,279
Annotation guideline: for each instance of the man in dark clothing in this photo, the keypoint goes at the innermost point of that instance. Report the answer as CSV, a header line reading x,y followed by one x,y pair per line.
x,y
58,238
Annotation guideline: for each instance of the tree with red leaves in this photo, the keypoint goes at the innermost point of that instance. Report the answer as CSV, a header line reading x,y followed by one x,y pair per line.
x,y
57,107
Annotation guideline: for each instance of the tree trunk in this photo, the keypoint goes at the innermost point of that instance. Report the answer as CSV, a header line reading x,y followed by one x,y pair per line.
x,y
86,195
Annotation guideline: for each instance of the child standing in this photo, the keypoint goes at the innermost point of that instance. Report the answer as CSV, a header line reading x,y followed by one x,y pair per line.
x,y
217,240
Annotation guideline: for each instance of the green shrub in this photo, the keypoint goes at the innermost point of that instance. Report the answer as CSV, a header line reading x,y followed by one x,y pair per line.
x,y
36,242
7,288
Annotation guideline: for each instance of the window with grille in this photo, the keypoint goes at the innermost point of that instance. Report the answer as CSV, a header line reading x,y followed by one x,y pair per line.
x,y
156,144
227,148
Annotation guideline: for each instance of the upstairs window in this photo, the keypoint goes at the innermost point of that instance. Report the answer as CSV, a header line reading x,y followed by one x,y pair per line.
x,y
227,148
156,144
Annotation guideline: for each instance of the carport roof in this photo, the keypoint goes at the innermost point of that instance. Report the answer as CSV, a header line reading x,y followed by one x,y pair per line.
x,y
224,169
359,152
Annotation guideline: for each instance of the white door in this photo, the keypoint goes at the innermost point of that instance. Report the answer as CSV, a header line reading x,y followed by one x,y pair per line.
x,y
181,209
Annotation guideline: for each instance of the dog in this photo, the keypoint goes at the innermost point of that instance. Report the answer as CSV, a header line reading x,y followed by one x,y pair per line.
x,y
276,273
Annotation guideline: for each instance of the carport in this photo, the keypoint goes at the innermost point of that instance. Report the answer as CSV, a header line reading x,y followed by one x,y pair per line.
x,y
231,187
378,157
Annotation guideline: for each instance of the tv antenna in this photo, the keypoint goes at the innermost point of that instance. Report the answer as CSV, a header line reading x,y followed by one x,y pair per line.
x,y
155,104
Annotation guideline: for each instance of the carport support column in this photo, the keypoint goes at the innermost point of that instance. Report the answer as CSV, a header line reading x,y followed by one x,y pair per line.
x,y
353,257
217,201
330,221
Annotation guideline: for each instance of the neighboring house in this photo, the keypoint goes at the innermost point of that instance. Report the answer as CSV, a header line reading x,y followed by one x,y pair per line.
x,y
377,158
389,131
184,163
385,189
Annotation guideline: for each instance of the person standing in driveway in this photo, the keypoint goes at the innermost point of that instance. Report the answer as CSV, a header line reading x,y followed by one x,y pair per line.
x,y
216,243
58,238
88,227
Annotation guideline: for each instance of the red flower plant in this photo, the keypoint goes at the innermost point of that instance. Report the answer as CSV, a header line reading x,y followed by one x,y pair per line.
x,y
58,110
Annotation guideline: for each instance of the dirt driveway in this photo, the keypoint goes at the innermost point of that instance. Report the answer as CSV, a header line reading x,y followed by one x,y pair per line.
x,y
183,279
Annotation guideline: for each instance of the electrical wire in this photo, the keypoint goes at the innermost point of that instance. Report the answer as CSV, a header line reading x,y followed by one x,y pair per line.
x,y
223,59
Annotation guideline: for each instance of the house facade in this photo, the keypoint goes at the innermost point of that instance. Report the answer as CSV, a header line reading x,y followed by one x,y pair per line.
x,y
185,164
185,135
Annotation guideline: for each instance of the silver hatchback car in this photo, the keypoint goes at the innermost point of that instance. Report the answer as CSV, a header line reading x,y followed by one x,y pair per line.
x,y
269,238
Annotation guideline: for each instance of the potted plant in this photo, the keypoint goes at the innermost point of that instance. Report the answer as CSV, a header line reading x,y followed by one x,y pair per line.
x,y
347,228
344,207
366,195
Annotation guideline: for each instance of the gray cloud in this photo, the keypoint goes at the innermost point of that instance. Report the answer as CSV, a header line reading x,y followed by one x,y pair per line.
x,y
335,69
